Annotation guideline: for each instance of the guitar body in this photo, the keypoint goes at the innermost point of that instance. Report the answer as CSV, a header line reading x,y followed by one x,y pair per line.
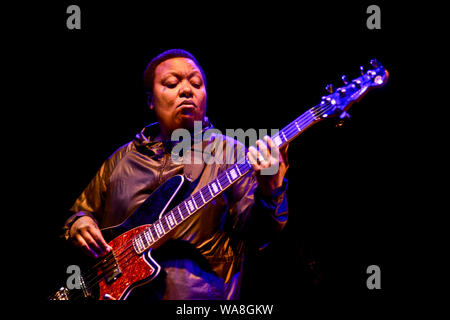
x,y
133,269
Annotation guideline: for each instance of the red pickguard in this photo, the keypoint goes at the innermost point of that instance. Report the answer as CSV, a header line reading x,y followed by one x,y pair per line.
x,y
134,268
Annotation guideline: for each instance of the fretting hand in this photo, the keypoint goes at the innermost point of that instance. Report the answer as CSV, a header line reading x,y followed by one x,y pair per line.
x,y
270,164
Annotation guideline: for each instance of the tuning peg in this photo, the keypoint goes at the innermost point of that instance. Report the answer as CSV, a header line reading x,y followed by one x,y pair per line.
x,y
361,68
342,92
329,88
344,79
374,63
344,115
356,84
340,124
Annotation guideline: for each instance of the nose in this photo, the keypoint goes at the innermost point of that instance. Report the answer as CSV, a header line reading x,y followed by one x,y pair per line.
x,y
185,90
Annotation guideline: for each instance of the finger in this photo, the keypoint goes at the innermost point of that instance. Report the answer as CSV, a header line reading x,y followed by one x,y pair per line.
x,y
283,153
93,245
263,149
81,243
252,155
274,151
284,148
98,237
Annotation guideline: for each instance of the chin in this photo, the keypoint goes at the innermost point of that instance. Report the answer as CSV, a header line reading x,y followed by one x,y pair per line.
x,y
187,122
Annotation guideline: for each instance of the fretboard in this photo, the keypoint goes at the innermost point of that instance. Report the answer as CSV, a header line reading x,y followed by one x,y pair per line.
x,y
204,195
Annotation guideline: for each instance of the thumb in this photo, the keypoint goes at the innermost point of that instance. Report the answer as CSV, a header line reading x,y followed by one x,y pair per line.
x,y
283,154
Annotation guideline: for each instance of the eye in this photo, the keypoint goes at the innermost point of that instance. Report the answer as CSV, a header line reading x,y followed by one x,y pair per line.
x,y
170,81
171,84
197,83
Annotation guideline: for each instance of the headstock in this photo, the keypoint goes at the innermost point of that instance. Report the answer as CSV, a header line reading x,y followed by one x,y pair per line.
x,y
340,100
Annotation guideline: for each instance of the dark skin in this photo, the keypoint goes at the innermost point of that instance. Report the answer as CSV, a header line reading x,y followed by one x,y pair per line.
x,y
179,99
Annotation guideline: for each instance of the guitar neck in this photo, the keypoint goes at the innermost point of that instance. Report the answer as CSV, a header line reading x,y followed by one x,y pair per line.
x,y
199,199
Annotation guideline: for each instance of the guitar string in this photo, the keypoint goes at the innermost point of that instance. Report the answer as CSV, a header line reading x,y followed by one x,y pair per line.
x,y
289,129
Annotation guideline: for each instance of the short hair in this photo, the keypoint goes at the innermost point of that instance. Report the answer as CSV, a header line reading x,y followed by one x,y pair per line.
x,y
149,73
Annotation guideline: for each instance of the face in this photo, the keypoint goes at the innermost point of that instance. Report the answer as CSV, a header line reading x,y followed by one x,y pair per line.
x,y
179,95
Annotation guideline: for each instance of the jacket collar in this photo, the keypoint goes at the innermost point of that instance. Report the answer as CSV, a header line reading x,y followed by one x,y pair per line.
x,y
146,143
147,137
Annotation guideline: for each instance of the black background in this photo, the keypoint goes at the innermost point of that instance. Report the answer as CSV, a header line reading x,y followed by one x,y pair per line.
x,y
81,98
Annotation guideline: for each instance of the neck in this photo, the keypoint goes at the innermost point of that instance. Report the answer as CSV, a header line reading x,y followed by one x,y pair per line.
x,y
164,134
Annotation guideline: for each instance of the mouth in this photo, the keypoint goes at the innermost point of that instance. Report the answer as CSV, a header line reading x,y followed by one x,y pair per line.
x,y
187,103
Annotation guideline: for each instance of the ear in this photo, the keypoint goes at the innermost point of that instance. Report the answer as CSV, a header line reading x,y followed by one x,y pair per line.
x,y
150,101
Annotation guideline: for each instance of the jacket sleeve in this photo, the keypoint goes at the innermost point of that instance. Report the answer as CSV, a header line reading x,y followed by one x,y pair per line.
x,y
91,202
256,218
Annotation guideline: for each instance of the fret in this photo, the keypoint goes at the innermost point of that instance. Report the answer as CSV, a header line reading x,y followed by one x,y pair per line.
x,y
191,203
207,195
201,195
153,231
215,189
237,168
180,216
171,219
145,240
312,114
187,208
159,229
298,127
141,244
197,200
229,180
165,224
181,212
277,140
138,244
210,192
245,167
185,211
284,136
233,174
218,182
225,182
290,131
148,235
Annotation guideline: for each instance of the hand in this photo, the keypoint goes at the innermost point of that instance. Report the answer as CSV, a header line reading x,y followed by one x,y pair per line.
x,y
270,165
85,234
